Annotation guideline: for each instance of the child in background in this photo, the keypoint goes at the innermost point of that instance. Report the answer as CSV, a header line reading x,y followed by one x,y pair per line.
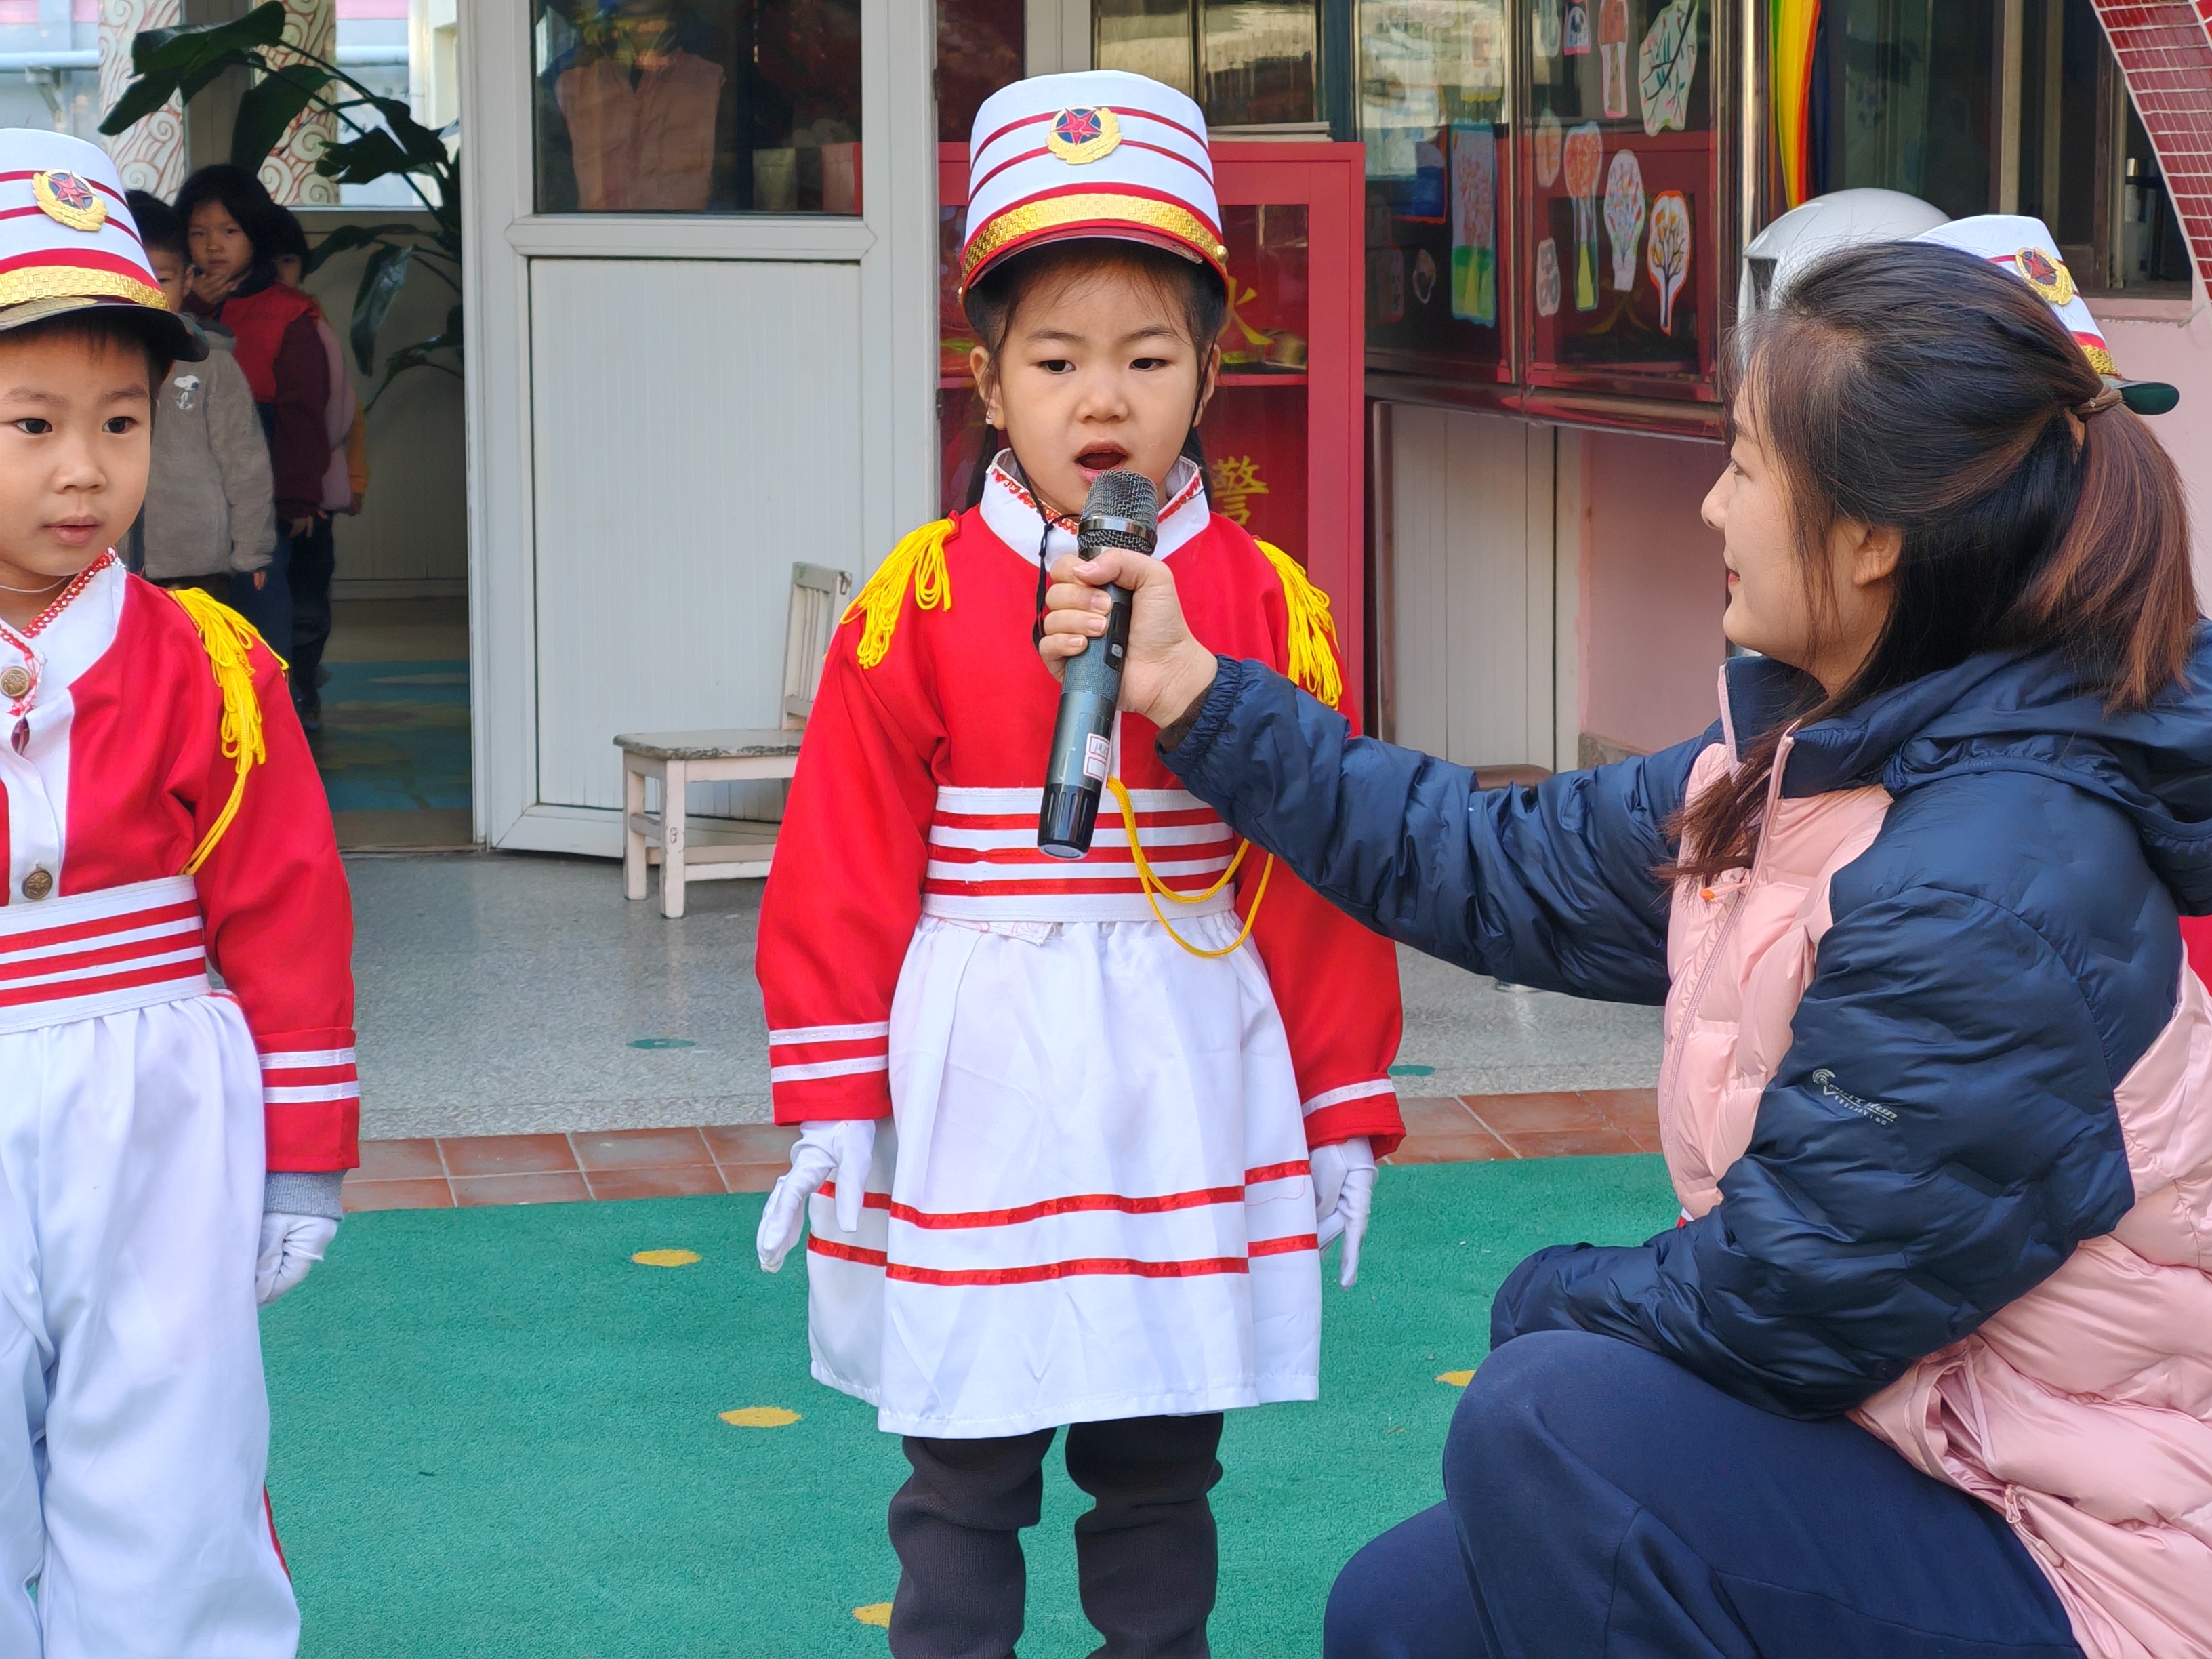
x,y
1117,1228
314,560
169,1154
229,224
209,520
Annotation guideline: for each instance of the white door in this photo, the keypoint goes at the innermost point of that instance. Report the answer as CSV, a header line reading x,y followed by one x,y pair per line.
x,y
673,397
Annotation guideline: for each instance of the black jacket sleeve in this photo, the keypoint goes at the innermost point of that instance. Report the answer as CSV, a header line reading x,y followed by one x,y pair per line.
x,y
1552,886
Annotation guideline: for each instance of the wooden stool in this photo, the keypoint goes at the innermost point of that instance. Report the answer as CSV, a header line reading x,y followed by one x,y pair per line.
x,y
688,849
716,849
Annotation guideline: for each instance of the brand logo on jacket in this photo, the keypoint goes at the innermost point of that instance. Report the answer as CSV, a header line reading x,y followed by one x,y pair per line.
x,y
1883,1116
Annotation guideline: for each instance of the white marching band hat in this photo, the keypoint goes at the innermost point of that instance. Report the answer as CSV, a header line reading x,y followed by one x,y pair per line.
x,y
1099,153
68,242
2024,247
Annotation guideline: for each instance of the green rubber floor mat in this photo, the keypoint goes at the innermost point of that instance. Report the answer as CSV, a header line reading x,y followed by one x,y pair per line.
x,y
496,1433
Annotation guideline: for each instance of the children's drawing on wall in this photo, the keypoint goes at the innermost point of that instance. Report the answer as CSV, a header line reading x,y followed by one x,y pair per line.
x,y
1623,216
1585,155
1549,136
1547,278
1665,64
1578,34
1613,55
1475,224
1545,24
1669,256
1424,278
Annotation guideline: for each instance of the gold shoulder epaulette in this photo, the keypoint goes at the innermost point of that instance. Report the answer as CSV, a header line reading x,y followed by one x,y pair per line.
x,y
229,639
1313,630
918,561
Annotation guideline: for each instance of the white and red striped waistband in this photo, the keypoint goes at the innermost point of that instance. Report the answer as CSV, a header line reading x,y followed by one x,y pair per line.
x,y
100,953
984,864
1185,1235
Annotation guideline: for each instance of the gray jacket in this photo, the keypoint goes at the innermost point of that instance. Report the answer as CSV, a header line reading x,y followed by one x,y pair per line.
x,y
209,505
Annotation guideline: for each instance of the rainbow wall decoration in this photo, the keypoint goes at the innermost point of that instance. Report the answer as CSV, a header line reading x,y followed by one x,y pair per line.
x,y
1792,28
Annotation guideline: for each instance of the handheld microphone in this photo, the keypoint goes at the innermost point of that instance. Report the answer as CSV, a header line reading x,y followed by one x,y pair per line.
x,y
1123,511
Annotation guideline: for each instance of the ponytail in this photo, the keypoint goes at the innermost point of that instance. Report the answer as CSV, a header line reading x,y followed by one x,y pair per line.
x,y
1915,387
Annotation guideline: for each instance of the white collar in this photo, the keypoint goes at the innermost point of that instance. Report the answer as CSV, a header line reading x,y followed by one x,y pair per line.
x,y
1011,512
77,638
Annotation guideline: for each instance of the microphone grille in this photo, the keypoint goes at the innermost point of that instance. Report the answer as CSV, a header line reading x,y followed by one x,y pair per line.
x,y
1122,494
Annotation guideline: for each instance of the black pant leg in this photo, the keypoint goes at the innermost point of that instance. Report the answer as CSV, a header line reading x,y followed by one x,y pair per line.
x,y
1146,1555
314,562
956,1524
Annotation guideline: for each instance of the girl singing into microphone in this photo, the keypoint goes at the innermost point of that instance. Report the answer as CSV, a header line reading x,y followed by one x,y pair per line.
x,y
1013,1230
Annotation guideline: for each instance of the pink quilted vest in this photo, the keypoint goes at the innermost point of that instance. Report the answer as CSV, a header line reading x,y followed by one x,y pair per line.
x,y
2083,1411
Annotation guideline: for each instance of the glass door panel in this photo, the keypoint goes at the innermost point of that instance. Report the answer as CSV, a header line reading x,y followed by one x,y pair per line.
x,y
697,105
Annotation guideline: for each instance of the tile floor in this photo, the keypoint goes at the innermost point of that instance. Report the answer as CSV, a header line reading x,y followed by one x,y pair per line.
x,y
462,1171
519,993
446,1172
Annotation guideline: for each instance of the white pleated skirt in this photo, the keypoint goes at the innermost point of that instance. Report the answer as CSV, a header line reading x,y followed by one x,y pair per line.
x,y
1096,1203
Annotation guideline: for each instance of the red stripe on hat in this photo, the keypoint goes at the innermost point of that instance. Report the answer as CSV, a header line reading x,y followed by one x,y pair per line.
x,y
1120,114
112,195
976,186
78,257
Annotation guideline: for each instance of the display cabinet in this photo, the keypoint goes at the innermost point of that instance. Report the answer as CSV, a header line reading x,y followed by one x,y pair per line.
x,y
1282,435
1549,210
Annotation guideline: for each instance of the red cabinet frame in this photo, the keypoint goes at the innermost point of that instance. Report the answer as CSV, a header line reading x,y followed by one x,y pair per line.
x,y
1327,180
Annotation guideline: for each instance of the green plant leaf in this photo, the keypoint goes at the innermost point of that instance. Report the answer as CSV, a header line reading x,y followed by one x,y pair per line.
x,y
418,356
363,160
153,51
345,238
267,111
179,62
381,279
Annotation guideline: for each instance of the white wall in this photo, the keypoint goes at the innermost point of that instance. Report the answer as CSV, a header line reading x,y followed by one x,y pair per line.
x,y
1472,586
2160,340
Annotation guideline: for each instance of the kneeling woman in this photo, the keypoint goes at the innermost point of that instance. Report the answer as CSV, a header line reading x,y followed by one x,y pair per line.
x,y
1924,1368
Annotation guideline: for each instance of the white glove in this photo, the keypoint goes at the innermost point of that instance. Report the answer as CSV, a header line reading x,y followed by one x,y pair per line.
x,y
290,1244
1344,1192
845,1146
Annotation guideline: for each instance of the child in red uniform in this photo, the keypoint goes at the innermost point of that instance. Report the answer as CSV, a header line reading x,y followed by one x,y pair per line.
x,y
169,1153
1120,1233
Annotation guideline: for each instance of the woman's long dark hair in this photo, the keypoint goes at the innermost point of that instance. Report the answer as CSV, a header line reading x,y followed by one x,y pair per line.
x,y
1919,388
1194,291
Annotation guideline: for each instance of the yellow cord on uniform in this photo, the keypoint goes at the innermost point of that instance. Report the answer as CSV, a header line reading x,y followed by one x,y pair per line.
x,y
917,561
1151,883
1312,630
229,639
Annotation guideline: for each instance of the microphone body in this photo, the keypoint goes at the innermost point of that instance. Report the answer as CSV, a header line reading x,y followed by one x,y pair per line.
x,y
1122,511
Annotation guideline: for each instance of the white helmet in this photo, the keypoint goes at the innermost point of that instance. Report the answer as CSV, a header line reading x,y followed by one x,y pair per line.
x,y
1843,218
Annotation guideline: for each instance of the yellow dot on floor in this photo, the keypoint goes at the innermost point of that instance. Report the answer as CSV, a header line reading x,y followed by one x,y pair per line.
x,y
665,1258
878,1614
758,1417
1457,1379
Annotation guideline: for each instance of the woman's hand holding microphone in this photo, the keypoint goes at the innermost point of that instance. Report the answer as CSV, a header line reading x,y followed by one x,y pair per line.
x,y
1167,672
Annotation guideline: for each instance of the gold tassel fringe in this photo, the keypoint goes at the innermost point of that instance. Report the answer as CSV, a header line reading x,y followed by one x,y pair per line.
x,y
1313,630
917,561
229,639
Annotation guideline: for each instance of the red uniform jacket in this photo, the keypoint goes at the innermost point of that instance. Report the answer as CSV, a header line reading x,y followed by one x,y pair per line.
x,y
136,735
960,702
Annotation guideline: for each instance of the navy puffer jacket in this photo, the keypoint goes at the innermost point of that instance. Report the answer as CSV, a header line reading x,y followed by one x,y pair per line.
x,y
2000,957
